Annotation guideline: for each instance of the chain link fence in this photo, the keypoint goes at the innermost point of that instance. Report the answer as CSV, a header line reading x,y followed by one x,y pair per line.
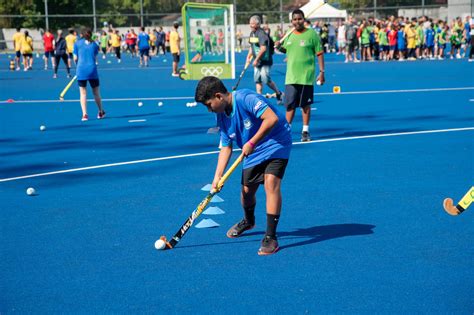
x,y
275,13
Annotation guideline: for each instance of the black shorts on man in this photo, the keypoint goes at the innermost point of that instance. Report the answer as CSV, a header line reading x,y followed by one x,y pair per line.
x,y
298,95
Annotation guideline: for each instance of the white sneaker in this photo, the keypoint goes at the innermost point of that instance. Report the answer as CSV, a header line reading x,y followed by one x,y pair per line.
x,y
103,57
458,56
17,69
119,61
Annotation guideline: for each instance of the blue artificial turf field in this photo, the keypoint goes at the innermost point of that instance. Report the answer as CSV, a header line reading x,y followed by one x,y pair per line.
x,y
363,229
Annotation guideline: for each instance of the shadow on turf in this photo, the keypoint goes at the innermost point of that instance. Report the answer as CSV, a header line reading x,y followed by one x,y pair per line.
x,y
310,235
318,234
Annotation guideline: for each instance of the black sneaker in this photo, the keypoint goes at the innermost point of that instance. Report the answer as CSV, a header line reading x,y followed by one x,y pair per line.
x,y
305,137
279,97
269,246
239,228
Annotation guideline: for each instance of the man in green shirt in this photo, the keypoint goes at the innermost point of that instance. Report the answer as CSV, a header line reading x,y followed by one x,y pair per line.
x,y
300,47
199,45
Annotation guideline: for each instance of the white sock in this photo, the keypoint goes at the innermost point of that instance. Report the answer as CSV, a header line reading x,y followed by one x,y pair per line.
x,y
306,128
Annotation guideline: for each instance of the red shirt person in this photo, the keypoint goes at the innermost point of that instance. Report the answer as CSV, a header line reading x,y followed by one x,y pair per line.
x,y
48,43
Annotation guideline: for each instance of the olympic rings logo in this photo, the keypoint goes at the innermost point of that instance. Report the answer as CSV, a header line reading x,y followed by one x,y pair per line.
x,y
212,71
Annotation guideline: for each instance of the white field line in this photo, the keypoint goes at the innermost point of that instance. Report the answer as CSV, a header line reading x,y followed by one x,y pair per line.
x,y
215,152
171,98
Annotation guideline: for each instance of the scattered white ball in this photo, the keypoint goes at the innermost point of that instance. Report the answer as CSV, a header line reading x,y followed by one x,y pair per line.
x,y
318,82
30,191
164,60
140,104
160,244
160,103
42,128
187,104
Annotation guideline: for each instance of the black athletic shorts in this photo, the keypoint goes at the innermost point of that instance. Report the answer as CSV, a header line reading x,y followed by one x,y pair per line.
x,y
176,57
93,83
297,95
256,174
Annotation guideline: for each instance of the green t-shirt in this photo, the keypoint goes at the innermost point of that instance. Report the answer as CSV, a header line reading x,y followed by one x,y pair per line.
x,y
442,37
199,43
365,36
301,50
420,37
213,39
104,41
383,40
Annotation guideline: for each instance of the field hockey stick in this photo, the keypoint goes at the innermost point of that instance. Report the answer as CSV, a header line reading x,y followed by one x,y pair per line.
x,y
242,74
200,208
61,96
293,29
465,202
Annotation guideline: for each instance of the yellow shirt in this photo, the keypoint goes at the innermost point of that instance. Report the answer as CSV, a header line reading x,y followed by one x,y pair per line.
x,y
174,42
17,40
152,39
26,45
70,40
115,40
411,38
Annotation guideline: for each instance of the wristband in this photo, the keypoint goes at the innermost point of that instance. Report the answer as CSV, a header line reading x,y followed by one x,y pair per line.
x,y
251,144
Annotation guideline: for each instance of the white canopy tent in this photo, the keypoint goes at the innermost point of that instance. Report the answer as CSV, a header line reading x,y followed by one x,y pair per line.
x,y
316,9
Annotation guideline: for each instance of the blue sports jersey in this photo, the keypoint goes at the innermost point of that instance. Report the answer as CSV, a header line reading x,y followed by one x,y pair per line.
x,y
430,36
401,40
86,53
244,122
143,41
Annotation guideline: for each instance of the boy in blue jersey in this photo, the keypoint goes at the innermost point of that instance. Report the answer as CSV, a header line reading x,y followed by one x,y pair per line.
x,y
429,42
144,47
401,44
245,117
85,56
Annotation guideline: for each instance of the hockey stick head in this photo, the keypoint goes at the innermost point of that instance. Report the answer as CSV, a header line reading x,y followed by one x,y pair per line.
x,y
449,207
168,245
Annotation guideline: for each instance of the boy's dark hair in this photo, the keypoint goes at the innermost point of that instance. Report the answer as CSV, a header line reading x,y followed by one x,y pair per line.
x,y
176,25
207,89
297,11
142,28
18,29
87,34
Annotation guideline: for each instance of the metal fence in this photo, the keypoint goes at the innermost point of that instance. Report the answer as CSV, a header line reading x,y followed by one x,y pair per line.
x,y
275,12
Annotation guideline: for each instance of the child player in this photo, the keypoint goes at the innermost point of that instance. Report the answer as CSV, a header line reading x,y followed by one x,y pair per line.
x,y
262,132
85,55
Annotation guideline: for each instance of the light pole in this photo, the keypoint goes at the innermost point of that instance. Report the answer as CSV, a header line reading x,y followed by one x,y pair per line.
x,y
93,12
141,13
375,9
46,14
281,15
